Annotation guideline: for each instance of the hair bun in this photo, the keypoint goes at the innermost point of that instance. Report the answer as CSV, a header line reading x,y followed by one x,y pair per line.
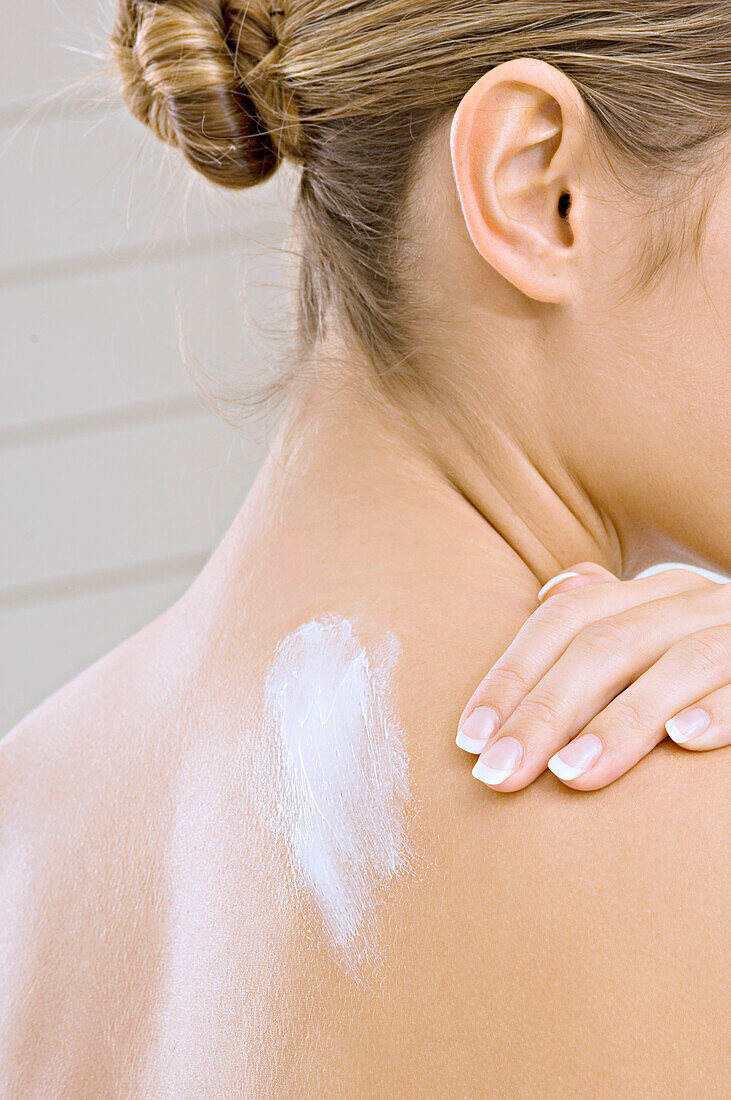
x,y
205,80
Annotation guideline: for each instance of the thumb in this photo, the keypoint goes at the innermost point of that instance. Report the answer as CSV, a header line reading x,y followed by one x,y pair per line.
x,y
586,572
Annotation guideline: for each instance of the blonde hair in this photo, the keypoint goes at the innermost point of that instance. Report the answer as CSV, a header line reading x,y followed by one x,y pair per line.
x,y
351,90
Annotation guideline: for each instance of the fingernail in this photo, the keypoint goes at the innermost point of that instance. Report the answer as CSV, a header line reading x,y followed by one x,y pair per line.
x,y
556,580
477,729
499,761
577,757
688,724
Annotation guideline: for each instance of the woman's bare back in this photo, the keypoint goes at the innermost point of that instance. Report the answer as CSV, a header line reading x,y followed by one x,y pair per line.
x,y
164,936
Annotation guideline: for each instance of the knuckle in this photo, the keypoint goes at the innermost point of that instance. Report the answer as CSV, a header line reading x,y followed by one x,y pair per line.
x,y
612,636
687,577
705,651
545,708
628,716
510,680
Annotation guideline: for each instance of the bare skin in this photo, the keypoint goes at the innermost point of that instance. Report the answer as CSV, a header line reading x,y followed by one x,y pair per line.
x,y
549,942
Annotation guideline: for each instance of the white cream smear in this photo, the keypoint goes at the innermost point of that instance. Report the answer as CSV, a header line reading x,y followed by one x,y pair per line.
x,y
344,783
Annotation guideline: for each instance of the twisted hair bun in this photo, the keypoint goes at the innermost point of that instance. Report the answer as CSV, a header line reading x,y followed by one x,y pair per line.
x,y
206,77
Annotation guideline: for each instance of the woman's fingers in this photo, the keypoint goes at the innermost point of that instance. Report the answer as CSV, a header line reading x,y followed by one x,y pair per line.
x,y
545,636
697,668
595,669
479,721
705,725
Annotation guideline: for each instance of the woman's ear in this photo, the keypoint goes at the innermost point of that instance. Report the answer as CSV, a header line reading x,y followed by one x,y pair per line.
x,y
518,140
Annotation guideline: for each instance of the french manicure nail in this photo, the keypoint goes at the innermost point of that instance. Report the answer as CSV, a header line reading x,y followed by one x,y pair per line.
x,y
688,724
477,729
556,580
577,757
499,761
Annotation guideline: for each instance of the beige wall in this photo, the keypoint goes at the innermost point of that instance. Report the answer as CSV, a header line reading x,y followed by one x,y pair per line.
x,y
115,482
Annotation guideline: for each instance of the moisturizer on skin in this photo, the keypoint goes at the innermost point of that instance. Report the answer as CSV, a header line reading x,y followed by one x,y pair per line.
x,y
344,784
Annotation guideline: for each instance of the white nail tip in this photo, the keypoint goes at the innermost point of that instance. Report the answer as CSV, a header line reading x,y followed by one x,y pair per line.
x,y
563,770
470,744
678,737
490,775
554,581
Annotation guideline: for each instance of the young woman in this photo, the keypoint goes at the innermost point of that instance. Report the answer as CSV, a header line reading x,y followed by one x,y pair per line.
x,y
242,855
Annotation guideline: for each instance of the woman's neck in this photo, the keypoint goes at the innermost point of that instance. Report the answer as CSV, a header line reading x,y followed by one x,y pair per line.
x,y
337,443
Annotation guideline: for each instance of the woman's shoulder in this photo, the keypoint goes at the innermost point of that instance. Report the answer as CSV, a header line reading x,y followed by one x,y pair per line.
x,y
100,712
86,773
526,940
86,787
555,927
503,944
171,818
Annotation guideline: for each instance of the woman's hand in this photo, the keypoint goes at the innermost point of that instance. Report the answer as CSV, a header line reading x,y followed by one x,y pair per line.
x,y
618,663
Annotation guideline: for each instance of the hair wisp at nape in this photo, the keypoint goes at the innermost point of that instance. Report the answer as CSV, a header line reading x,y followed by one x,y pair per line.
x,y
342,807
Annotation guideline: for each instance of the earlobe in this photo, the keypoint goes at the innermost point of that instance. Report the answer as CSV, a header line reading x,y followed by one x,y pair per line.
x,y
517,142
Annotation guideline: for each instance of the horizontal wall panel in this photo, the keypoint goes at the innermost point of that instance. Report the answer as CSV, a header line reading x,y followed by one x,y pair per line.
x,y
110,500
71,348
48,43
44,646
93,183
